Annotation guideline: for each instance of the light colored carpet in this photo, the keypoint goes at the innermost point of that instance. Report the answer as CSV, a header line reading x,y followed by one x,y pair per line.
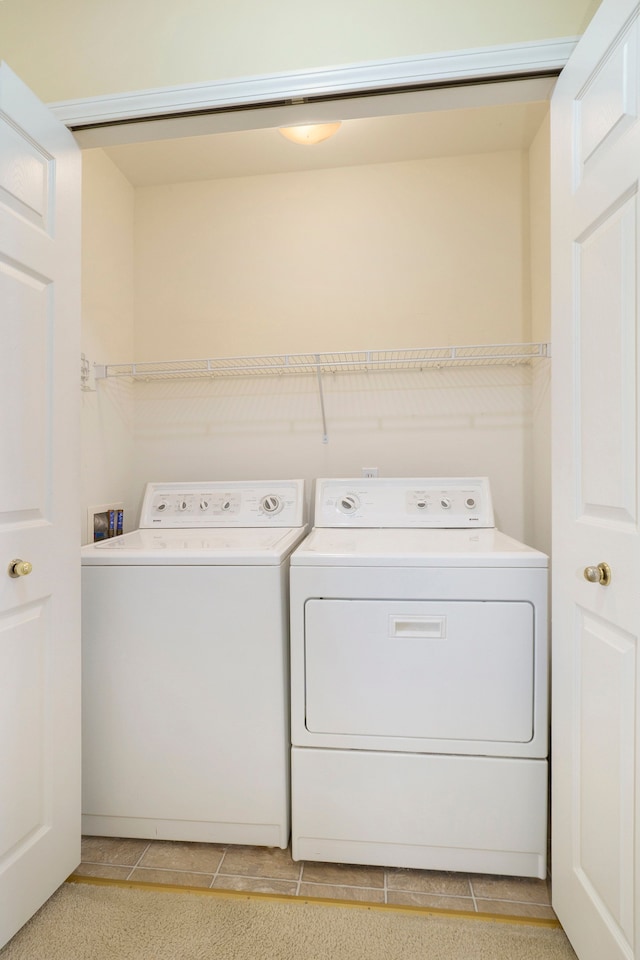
x,y
94,922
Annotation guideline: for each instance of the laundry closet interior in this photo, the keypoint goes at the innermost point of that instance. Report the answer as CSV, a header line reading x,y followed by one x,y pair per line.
x,y
423,223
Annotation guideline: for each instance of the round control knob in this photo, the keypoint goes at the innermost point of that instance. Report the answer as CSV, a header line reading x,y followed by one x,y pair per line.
x,y
445,503
470,503
348,504
183,505
226,505
421,504
204,504
19,568
162,506
271,504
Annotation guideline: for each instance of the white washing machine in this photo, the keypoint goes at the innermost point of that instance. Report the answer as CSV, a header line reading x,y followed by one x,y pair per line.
x,y
418,681
185,666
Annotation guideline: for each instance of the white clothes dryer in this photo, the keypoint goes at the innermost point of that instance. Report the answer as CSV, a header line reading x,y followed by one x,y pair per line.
x,y
418,681
185,666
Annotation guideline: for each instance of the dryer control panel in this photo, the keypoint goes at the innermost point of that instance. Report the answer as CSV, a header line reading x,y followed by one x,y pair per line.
x,y
404,502
220,503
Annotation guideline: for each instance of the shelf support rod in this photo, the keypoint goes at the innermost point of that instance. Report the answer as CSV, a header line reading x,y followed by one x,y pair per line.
x,y
325,436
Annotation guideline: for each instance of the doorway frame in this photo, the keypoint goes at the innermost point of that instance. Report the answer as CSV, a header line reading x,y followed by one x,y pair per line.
x,y
459,79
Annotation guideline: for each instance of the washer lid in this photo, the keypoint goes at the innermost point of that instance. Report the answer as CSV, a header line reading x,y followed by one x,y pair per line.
x,y
240,546
414,548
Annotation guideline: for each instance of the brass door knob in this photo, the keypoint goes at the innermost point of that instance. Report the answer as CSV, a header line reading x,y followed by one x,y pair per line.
x,y
600,574
20,568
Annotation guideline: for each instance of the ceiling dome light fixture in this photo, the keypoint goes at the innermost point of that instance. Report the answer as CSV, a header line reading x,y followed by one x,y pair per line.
x,y
308,134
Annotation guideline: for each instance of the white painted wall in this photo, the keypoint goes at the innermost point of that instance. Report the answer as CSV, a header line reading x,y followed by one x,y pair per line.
x,y
85,48
107,334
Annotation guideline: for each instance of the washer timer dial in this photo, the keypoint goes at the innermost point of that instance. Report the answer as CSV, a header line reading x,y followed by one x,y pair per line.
x,y
348,504
271,504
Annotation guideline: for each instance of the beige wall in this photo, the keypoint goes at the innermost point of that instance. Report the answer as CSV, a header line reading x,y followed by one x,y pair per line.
x,y
464,231
540,214
538,472
414,254
395,255
70,49
107,332
458,422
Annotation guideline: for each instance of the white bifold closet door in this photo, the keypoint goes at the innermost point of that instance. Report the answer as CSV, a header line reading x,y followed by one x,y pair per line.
x,y
596,613
39,513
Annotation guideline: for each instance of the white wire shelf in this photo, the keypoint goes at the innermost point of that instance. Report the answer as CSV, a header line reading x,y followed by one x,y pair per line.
x,y
320,363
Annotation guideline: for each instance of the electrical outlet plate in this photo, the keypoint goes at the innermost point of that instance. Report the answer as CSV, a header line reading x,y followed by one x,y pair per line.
x,y
369,471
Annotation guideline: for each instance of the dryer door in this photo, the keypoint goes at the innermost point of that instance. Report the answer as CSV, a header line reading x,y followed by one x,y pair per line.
x,y
440,674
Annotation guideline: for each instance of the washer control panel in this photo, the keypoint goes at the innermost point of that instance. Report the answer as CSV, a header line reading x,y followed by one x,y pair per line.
x,y
404,502
219,503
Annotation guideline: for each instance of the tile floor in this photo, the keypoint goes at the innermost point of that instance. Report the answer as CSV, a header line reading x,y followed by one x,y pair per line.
x,y
271,870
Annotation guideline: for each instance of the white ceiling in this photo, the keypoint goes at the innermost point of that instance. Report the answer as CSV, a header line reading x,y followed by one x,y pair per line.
x,y
371,140
249,144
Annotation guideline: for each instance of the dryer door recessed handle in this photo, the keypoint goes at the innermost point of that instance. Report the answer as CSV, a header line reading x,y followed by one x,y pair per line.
x,y
428,628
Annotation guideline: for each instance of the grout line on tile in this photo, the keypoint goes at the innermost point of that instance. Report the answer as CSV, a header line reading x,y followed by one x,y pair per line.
x,y
442,896
473,897
138,861
109,863
198,873
217,871
249,876
105,863
471,894
299,883
347,886
528,903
